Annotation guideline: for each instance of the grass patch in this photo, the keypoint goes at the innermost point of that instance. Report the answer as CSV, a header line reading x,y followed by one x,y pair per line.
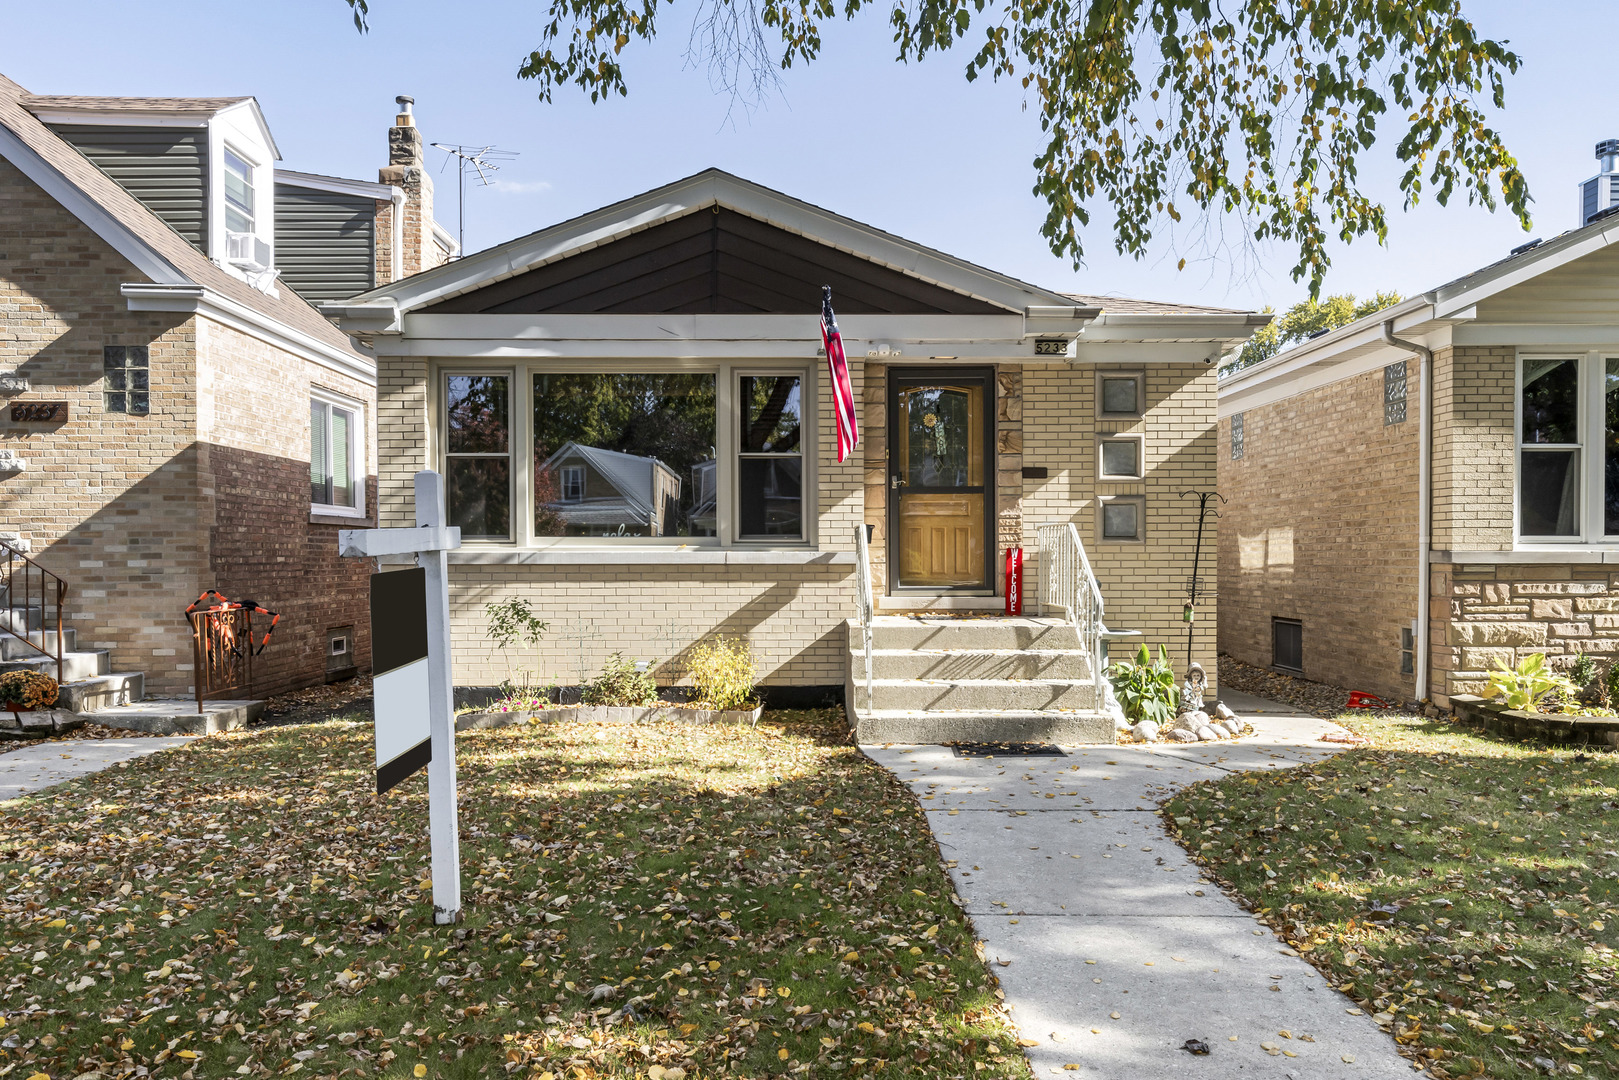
x,y
640,901
1461,889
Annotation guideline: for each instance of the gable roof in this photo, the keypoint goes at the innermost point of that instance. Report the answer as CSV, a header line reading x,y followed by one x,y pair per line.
x,y
630,474
202,106
154,248
712,188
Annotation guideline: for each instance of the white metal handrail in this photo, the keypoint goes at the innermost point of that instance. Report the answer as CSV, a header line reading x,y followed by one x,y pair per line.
x,y
863,600
1068,585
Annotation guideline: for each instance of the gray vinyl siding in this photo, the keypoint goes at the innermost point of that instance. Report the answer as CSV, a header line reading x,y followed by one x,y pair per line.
x,y
325,243
165,168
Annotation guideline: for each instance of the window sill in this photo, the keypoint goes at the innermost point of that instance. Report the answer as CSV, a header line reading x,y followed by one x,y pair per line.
x,y
1548,553
338,517
607,556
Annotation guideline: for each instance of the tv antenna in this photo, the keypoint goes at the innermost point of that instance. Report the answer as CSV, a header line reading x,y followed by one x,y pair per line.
x,y
481,160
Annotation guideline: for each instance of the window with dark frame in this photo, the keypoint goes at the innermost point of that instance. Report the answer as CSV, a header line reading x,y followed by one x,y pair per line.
x,y
1394,389
1287,644
126,370
573,483
477,458
1236,436
770,459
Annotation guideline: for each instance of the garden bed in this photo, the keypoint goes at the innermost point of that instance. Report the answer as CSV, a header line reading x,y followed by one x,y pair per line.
x,y
670,712
1600,732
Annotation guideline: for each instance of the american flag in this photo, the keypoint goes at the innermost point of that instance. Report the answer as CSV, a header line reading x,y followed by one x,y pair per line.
x,y
838,367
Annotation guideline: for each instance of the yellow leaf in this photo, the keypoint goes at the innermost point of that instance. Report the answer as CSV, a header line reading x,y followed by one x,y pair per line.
x,y
1028,1042
528,962
850,957
784,991
39,1076
55,924
127,1044
187,1054
1071,1067
783,1054
419,1070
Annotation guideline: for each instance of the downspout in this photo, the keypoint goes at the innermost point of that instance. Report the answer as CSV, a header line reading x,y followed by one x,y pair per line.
x,y
396,249
1424,497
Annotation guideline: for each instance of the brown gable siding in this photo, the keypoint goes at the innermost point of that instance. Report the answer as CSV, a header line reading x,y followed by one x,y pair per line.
x,y
712,262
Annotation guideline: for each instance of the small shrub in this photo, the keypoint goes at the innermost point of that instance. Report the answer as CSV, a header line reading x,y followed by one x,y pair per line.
x,y
620,683
722,669
512,621
27,690
524,699
1528,685
1583,671
1146,687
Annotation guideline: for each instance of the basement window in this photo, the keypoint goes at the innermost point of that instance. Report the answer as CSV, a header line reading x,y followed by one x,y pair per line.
x,y
1408,651
1287,644
126,370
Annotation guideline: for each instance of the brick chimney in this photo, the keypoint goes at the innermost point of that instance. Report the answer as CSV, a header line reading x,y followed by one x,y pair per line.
x,y
407,170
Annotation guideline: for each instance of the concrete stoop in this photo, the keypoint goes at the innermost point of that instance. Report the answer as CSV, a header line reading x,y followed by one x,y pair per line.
x,y
171,717
993,679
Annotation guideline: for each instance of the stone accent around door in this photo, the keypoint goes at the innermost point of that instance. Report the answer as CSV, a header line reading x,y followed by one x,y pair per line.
x,y
1486,613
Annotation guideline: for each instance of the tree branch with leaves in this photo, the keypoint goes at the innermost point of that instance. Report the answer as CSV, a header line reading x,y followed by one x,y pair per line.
x,y
1154,113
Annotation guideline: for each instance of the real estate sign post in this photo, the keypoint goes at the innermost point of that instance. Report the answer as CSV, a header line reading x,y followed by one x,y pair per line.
x,y
413,693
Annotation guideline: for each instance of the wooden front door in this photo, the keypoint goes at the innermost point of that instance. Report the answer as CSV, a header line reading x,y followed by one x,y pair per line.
x,y
941,479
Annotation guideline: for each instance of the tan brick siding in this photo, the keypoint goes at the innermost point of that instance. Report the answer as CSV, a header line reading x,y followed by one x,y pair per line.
x,y
1320,525
1473,448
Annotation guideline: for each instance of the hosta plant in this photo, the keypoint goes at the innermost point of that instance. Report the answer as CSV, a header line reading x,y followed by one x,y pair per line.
x,y
1146,687
1530,684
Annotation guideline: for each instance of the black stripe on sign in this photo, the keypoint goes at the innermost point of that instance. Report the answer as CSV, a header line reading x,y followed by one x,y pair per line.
x,y
398,619
395,771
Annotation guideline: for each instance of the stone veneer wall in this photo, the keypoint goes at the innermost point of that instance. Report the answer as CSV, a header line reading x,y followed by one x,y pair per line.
x,y
1503,612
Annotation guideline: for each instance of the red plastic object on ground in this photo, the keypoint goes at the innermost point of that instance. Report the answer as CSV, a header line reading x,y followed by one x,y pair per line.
x,y
1359,699
1014,581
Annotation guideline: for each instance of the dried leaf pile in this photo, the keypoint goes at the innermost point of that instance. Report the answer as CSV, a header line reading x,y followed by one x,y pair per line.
x,y
658,901
1464,891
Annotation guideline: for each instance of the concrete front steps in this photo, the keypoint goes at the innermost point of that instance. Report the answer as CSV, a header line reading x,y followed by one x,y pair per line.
x,y
18,653
175,717
943,679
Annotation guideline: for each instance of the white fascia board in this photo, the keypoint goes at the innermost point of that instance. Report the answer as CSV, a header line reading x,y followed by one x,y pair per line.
x,y
1367,356
1416,312
1533,335
1547,257
445,240
95,216
196,299
251,106
377,317
336,184
699,327
702,350
122,118
1087,351
1167,327
698,193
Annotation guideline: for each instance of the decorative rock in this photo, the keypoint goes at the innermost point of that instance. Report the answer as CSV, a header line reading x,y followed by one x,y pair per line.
x,y
1146,731
1198,719
1207,734
1182,735
1223,711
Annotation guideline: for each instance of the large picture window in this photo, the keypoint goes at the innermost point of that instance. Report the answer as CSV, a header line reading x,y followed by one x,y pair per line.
x,y
624,455
770,464
477,453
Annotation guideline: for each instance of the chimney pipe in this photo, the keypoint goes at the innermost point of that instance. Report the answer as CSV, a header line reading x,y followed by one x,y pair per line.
x,y
1607,153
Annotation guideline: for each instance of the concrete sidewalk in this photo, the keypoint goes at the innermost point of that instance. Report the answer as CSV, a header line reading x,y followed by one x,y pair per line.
x,y
41,765
1111,948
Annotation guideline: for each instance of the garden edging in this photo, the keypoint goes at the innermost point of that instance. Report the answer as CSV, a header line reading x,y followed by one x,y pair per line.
x,y
1497,719
608,714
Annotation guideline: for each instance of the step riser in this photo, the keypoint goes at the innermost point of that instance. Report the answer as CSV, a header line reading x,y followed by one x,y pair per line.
x,y
75,666
1000,696
102,692
968,665
946,728
966,635
12,646
21,618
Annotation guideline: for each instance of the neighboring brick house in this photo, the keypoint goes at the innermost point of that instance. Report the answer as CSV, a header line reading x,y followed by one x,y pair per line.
x,y
214,430
1325,540
693,309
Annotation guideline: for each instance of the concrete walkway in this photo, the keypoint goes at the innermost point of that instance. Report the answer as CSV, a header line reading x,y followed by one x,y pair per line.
x,y
41,765
1111,948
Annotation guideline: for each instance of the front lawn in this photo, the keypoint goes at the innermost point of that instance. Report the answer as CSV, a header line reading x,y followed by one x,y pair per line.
x,y
1461,889
657,901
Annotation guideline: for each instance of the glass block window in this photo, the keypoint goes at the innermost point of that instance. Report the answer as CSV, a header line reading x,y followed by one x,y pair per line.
x,y
127,372
1394,394
1122,517
1236,436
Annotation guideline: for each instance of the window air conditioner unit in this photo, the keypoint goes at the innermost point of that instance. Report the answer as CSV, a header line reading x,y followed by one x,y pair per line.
x,y
247,251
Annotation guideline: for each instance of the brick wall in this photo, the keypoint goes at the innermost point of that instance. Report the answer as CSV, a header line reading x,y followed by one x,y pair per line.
x,y
1143,584
1321,526
1473,448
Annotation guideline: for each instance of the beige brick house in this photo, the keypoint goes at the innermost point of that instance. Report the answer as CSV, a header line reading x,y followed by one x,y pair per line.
x,y
1467,438
174,415
679,330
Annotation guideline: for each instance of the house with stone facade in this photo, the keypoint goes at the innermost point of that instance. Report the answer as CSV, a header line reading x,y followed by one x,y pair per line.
x,y
682,326
1435,487
175,416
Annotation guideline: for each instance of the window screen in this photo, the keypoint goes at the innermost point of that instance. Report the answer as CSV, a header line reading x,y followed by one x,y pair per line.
x,y
1287,644
126,369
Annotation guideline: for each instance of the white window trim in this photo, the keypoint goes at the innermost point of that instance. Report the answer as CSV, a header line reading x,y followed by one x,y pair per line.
x,y
1139,375
253,170
727,374
1141,519
572,471
1141,457
1592,421
357,446
515,478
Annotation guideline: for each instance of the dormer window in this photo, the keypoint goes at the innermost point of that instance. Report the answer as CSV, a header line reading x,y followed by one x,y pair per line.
x,y
239,200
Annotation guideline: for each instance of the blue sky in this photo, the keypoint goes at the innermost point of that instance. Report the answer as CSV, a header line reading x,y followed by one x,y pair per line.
x,y
915,150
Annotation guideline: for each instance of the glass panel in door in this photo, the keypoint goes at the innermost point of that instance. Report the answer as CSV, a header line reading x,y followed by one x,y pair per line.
x,y
939,461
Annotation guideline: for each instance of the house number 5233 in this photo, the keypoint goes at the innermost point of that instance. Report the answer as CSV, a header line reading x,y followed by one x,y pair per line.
x,y
38,412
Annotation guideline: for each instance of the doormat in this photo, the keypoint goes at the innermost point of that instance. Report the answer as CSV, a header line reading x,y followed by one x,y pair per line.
x,y
1008,749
